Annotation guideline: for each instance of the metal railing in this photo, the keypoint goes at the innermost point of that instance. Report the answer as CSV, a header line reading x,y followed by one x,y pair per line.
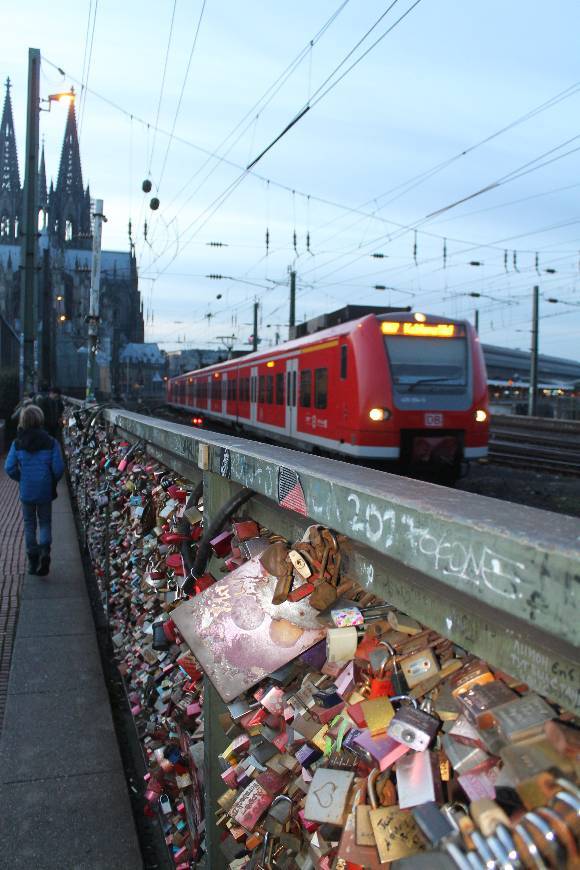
x,y
496,578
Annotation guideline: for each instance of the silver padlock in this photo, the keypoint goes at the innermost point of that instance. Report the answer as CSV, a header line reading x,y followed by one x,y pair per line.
x,y
165,804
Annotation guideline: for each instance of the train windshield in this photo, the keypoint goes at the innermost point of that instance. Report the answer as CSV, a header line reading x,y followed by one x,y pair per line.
x,y
427,365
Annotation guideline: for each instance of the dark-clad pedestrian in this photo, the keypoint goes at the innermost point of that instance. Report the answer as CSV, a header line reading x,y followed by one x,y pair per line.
x,y
56,395
35,461
49,408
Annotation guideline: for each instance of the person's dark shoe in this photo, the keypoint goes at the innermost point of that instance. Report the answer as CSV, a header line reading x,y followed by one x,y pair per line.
x,y
33,564
44,566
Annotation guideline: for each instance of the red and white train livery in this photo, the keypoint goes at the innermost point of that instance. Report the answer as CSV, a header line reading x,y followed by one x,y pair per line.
x,y
400,386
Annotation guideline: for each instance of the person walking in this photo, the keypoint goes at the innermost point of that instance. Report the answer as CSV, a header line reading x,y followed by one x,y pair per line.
x,y
55,394
35,461
49,407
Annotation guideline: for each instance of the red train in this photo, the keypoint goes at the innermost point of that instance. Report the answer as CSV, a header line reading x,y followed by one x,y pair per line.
x,y
397,386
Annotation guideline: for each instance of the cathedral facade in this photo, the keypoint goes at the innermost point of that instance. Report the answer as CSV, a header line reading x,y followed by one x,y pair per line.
x,y
65,252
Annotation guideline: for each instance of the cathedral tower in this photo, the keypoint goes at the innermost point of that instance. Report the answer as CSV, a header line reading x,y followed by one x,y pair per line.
x,y
69,205
10,190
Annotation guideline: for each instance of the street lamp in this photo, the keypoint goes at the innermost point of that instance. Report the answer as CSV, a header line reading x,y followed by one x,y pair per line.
x,y
66,97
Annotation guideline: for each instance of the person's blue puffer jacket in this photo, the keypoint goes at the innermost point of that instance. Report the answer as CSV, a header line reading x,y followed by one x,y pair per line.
x,y
36,461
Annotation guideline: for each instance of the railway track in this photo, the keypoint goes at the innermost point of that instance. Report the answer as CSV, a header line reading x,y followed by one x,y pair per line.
x,y
536,443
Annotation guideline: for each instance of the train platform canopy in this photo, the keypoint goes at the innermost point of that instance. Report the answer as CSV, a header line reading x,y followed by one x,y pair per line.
x,y
510,367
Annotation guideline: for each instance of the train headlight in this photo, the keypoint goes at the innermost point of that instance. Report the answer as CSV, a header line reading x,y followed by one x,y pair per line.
x,y
378,414
480,415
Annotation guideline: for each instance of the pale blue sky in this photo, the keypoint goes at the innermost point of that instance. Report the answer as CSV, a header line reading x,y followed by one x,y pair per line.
x,y
448,76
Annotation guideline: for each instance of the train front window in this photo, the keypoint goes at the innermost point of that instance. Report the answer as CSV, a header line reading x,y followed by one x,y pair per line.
x,y
427,365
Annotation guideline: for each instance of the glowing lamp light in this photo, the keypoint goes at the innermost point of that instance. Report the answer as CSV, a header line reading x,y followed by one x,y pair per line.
x,y
379,414
420,317
270,364
480,415
60,297
65,97
62,318
216,374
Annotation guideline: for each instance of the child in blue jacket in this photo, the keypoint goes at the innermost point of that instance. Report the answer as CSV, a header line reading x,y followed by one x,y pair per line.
x,y
36,462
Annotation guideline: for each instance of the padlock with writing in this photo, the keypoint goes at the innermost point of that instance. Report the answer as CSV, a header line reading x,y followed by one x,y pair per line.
x,y
413,727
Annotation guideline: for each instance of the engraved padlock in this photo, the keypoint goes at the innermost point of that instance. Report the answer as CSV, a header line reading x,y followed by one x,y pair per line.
x,y
413,727
364,835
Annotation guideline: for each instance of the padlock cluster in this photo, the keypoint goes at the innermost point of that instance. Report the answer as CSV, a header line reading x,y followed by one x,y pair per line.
x,y
139,522
356,737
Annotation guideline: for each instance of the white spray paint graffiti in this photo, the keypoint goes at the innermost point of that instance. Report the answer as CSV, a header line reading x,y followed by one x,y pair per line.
x,y
377,524
473,562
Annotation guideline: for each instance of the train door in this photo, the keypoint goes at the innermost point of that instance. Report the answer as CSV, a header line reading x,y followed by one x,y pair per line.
x,y
224,393
253,394
291,411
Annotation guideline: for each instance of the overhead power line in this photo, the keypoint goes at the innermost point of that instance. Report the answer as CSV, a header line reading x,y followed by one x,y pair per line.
x,y
255,111
87,70
169,38
185,77
321,92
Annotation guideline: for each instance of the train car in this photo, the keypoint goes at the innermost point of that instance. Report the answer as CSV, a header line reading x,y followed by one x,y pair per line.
x,y
400,386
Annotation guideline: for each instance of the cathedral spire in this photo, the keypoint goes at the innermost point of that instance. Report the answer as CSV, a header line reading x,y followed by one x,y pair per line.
x,y
10,191
69,210
70,176
42,190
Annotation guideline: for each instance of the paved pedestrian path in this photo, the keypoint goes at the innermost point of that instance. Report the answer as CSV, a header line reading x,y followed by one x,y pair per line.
x,y
63,794
12,566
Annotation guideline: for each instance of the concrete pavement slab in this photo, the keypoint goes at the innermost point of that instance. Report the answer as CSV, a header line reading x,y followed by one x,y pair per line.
x,y
55,824
52,734
44,616
49,664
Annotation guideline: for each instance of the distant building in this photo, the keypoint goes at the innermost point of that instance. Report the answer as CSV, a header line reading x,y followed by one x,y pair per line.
x,y
65,245
142,371
180,361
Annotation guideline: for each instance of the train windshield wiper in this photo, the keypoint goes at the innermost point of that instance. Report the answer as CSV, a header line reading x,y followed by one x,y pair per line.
x,y
428,381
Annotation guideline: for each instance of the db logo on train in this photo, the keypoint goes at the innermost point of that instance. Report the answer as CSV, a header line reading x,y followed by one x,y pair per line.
x,y
434,420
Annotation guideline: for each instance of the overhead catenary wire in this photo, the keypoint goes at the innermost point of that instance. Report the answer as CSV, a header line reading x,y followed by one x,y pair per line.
x,y
183,85
280,186
258,107
84,89
162,88
320,93
86,49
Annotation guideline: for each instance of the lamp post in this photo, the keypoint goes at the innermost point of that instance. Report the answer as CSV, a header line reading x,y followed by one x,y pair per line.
x,y
29,307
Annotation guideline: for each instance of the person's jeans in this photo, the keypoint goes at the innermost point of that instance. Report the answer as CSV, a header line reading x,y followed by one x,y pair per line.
x,y
30,512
